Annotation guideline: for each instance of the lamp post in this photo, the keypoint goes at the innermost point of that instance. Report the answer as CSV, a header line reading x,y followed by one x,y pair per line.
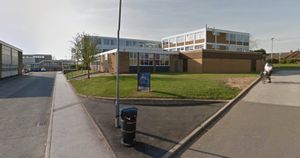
x,y
117,102
272,39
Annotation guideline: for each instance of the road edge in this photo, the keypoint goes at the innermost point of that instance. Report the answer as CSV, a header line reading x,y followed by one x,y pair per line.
x,y
49,136
209,121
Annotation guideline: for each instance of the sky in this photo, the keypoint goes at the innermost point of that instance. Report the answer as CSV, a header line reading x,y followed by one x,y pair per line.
x,y
48,26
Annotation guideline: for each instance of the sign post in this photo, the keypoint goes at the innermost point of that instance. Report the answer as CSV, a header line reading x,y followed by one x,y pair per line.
x,y
144,81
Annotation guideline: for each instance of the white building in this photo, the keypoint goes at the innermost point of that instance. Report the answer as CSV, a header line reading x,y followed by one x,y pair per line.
x,y
207,38
109,43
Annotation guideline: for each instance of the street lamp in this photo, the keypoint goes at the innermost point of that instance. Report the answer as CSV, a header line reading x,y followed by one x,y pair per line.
x,y
117,102
272,39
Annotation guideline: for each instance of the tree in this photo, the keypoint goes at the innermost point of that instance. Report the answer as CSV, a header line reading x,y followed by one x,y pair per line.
x,y
263,51
76,49
88,51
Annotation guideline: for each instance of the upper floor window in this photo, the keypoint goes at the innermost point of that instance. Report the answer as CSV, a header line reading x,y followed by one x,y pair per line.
x,y
165,42
180,39
232,37
106,41
172,41
199,35
128,43
112,42
189,37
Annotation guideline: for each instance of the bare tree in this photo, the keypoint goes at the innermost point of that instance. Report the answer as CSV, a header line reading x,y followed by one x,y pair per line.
x,y
88,51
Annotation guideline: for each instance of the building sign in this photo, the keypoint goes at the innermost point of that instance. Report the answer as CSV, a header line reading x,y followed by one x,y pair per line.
x,y
144,81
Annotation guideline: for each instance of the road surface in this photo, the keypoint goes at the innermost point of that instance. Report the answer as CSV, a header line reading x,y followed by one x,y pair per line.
x,y
266,123
25,103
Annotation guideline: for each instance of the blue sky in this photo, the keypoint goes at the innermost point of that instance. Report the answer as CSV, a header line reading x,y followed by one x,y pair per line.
x,y
47,26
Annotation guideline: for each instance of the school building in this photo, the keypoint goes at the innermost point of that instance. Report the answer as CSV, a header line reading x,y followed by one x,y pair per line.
x,y
202,51
207,38
10,60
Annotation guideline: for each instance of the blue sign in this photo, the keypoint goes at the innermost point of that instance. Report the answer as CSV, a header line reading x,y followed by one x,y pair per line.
x,y
143,81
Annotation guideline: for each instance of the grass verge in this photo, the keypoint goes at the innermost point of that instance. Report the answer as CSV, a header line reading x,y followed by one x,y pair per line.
x,y
78,73
192,86
287,66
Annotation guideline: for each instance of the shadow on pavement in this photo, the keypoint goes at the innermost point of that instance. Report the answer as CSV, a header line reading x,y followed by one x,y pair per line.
x,y
40,85
159,128
149,150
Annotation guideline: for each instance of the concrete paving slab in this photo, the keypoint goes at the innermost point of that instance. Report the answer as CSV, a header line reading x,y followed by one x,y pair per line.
x,y
73,133
264,124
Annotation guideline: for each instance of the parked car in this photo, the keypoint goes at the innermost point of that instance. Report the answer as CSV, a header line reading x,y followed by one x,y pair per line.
x,y
26,71
43,69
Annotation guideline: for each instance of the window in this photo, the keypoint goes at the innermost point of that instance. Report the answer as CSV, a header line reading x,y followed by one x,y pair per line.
x,y
180,39
132,59
99,41
216,46
106,41
112,42
128,43
189,37
198,47
232,37
172,41
199,35
164,60
239,49
165,42
227,36
189,48
146,59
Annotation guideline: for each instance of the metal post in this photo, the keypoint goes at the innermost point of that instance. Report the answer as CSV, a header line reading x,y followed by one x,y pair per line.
x,y
279,60
272,50
117,103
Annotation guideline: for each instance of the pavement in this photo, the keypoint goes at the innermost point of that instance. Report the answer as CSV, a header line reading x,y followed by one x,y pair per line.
x,y
159,127
25,103
73,134
263,124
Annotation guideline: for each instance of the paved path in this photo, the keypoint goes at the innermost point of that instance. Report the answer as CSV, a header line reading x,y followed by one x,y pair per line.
x,y
73,134
266,123
25,103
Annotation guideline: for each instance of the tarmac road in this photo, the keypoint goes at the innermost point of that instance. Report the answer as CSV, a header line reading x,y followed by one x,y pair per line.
x,y
266,123
25,103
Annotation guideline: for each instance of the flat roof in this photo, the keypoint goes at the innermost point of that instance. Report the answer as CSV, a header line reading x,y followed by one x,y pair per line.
x,y
204,29
11,46
108,37
37,55
139,50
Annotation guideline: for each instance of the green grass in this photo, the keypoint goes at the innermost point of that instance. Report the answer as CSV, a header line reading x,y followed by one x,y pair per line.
x,y
287,66
170,85
77,73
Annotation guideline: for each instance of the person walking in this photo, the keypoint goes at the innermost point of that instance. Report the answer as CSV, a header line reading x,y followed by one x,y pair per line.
x,y
268,69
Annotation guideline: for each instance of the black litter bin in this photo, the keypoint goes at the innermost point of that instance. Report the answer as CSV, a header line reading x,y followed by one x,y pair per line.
x,y
128,126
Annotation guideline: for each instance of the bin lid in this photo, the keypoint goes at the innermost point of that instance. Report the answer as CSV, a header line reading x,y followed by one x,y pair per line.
x,y
131,110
